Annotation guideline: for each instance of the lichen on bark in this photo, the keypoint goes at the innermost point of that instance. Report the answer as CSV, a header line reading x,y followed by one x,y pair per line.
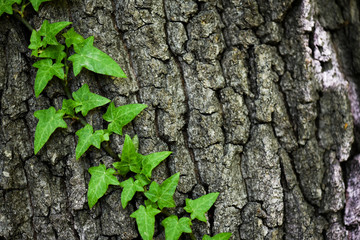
x,y
257,100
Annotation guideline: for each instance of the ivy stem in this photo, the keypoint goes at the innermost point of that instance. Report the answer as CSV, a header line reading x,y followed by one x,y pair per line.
x,y
108,149
23,8
83,121
67,91
66,65
23,21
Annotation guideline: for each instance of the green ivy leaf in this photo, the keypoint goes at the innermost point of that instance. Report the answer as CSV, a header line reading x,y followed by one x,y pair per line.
x,y
36,3
163,194
175,227
50,30
100,180
130,188
54,52
200,206
6,6
143,179
47,70
149,203
87,100
150,161
94,60
129,158
220,236
120,116
35,43
145,219
68,106
49,120
135,141
73,38
88,137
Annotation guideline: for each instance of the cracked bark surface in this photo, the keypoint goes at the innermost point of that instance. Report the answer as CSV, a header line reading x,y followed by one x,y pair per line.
x,y
257,100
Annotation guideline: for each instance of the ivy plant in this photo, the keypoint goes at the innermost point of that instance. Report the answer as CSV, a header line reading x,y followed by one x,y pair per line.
x,y
135,169
6,6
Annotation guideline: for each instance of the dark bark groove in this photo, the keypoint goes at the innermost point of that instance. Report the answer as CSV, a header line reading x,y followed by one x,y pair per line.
x,y
258,100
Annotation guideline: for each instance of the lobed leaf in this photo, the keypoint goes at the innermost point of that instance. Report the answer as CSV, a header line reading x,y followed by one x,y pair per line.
x,y
163,194
130,188
49,121
87,100
150,161
50,30
94,60
36,3
68,106
129,158
175,227
145,219
35,43
88,137
100,180
6,6
149,203
47,70
73,38
220,236
120,116
143,179
135,141
54,52
198,207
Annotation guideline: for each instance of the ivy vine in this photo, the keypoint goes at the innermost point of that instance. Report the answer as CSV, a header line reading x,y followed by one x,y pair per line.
x,y
52,49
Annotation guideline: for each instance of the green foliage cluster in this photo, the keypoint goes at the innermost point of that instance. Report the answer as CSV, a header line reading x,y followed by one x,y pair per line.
x,y
136,168
6,6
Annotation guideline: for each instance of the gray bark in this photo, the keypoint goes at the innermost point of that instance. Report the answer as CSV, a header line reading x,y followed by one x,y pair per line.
x,y
258,100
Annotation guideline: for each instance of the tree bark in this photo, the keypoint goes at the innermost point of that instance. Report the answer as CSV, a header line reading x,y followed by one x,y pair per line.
x,y
257,100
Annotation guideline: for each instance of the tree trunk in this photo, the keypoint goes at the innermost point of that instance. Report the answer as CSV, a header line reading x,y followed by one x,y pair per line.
x,y
257,100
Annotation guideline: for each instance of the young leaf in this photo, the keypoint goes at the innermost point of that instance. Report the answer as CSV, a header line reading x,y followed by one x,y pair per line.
x,y
35,43
200,206
36,3
129,158
73,38
130,188
6,6
220,236
49,120
150,161
100,180
88,137
46,72
87,100
145,219
163,194
54,52
120,116
175,227
50,30
94,60
68,106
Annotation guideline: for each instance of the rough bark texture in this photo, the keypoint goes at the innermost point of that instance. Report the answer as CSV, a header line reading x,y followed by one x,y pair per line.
x,y
257,100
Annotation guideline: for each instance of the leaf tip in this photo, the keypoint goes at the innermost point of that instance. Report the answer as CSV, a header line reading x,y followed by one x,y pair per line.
x,y
36,150
91,203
